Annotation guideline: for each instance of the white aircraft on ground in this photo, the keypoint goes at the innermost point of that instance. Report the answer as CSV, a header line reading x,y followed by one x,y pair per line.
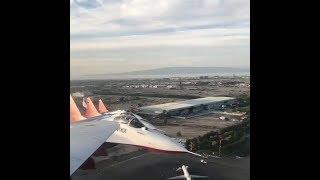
x,y
89,132
186,174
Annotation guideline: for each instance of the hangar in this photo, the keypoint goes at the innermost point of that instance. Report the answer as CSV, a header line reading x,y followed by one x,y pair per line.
x,y
184,108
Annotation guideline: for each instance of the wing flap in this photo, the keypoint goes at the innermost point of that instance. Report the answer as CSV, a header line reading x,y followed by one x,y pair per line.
x,y
86,137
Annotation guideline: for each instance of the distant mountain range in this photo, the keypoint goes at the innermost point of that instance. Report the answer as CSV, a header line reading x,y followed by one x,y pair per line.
x,y
185,70
172,72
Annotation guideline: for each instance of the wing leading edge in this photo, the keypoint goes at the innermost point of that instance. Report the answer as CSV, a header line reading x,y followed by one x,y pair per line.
x,y
86,137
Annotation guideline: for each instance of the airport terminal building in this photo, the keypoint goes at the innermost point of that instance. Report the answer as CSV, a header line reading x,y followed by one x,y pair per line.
x,y
188,107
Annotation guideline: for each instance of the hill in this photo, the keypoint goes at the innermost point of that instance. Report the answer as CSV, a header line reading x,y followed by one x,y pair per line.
x,y
186,70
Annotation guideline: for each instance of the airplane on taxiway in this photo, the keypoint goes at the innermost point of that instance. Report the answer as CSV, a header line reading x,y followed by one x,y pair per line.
x,y
186,174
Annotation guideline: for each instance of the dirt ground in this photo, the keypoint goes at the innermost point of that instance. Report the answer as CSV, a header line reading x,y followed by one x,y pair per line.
x,y
196,126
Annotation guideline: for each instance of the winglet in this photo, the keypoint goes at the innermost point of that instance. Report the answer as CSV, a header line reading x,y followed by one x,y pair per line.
x,y
91,111
75,114
102,108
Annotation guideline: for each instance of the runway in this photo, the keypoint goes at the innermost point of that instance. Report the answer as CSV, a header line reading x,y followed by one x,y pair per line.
x,y
150,166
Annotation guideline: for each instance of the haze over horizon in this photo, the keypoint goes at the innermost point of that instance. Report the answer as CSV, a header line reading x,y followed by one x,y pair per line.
x,y
180,70
110,36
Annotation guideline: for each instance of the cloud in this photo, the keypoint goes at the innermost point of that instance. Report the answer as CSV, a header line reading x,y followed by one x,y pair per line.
x,y
195,38
147,15
121,26
88,4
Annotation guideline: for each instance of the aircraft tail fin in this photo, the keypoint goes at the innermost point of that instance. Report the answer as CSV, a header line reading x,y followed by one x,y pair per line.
x,y
102,108
91,111
75,114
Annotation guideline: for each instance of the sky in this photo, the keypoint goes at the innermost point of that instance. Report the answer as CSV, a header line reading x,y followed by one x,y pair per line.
x,y
114,36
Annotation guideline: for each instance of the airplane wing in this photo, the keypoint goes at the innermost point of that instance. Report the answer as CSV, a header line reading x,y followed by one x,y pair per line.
x,y
86,137
116,138
178,177
199,177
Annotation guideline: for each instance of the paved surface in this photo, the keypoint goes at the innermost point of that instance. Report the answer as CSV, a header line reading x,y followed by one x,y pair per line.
x,y
146,166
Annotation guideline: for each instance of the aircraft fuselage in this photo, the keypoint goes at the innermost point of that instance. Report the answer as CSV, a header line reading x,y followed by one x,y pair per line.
x,y
136,133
